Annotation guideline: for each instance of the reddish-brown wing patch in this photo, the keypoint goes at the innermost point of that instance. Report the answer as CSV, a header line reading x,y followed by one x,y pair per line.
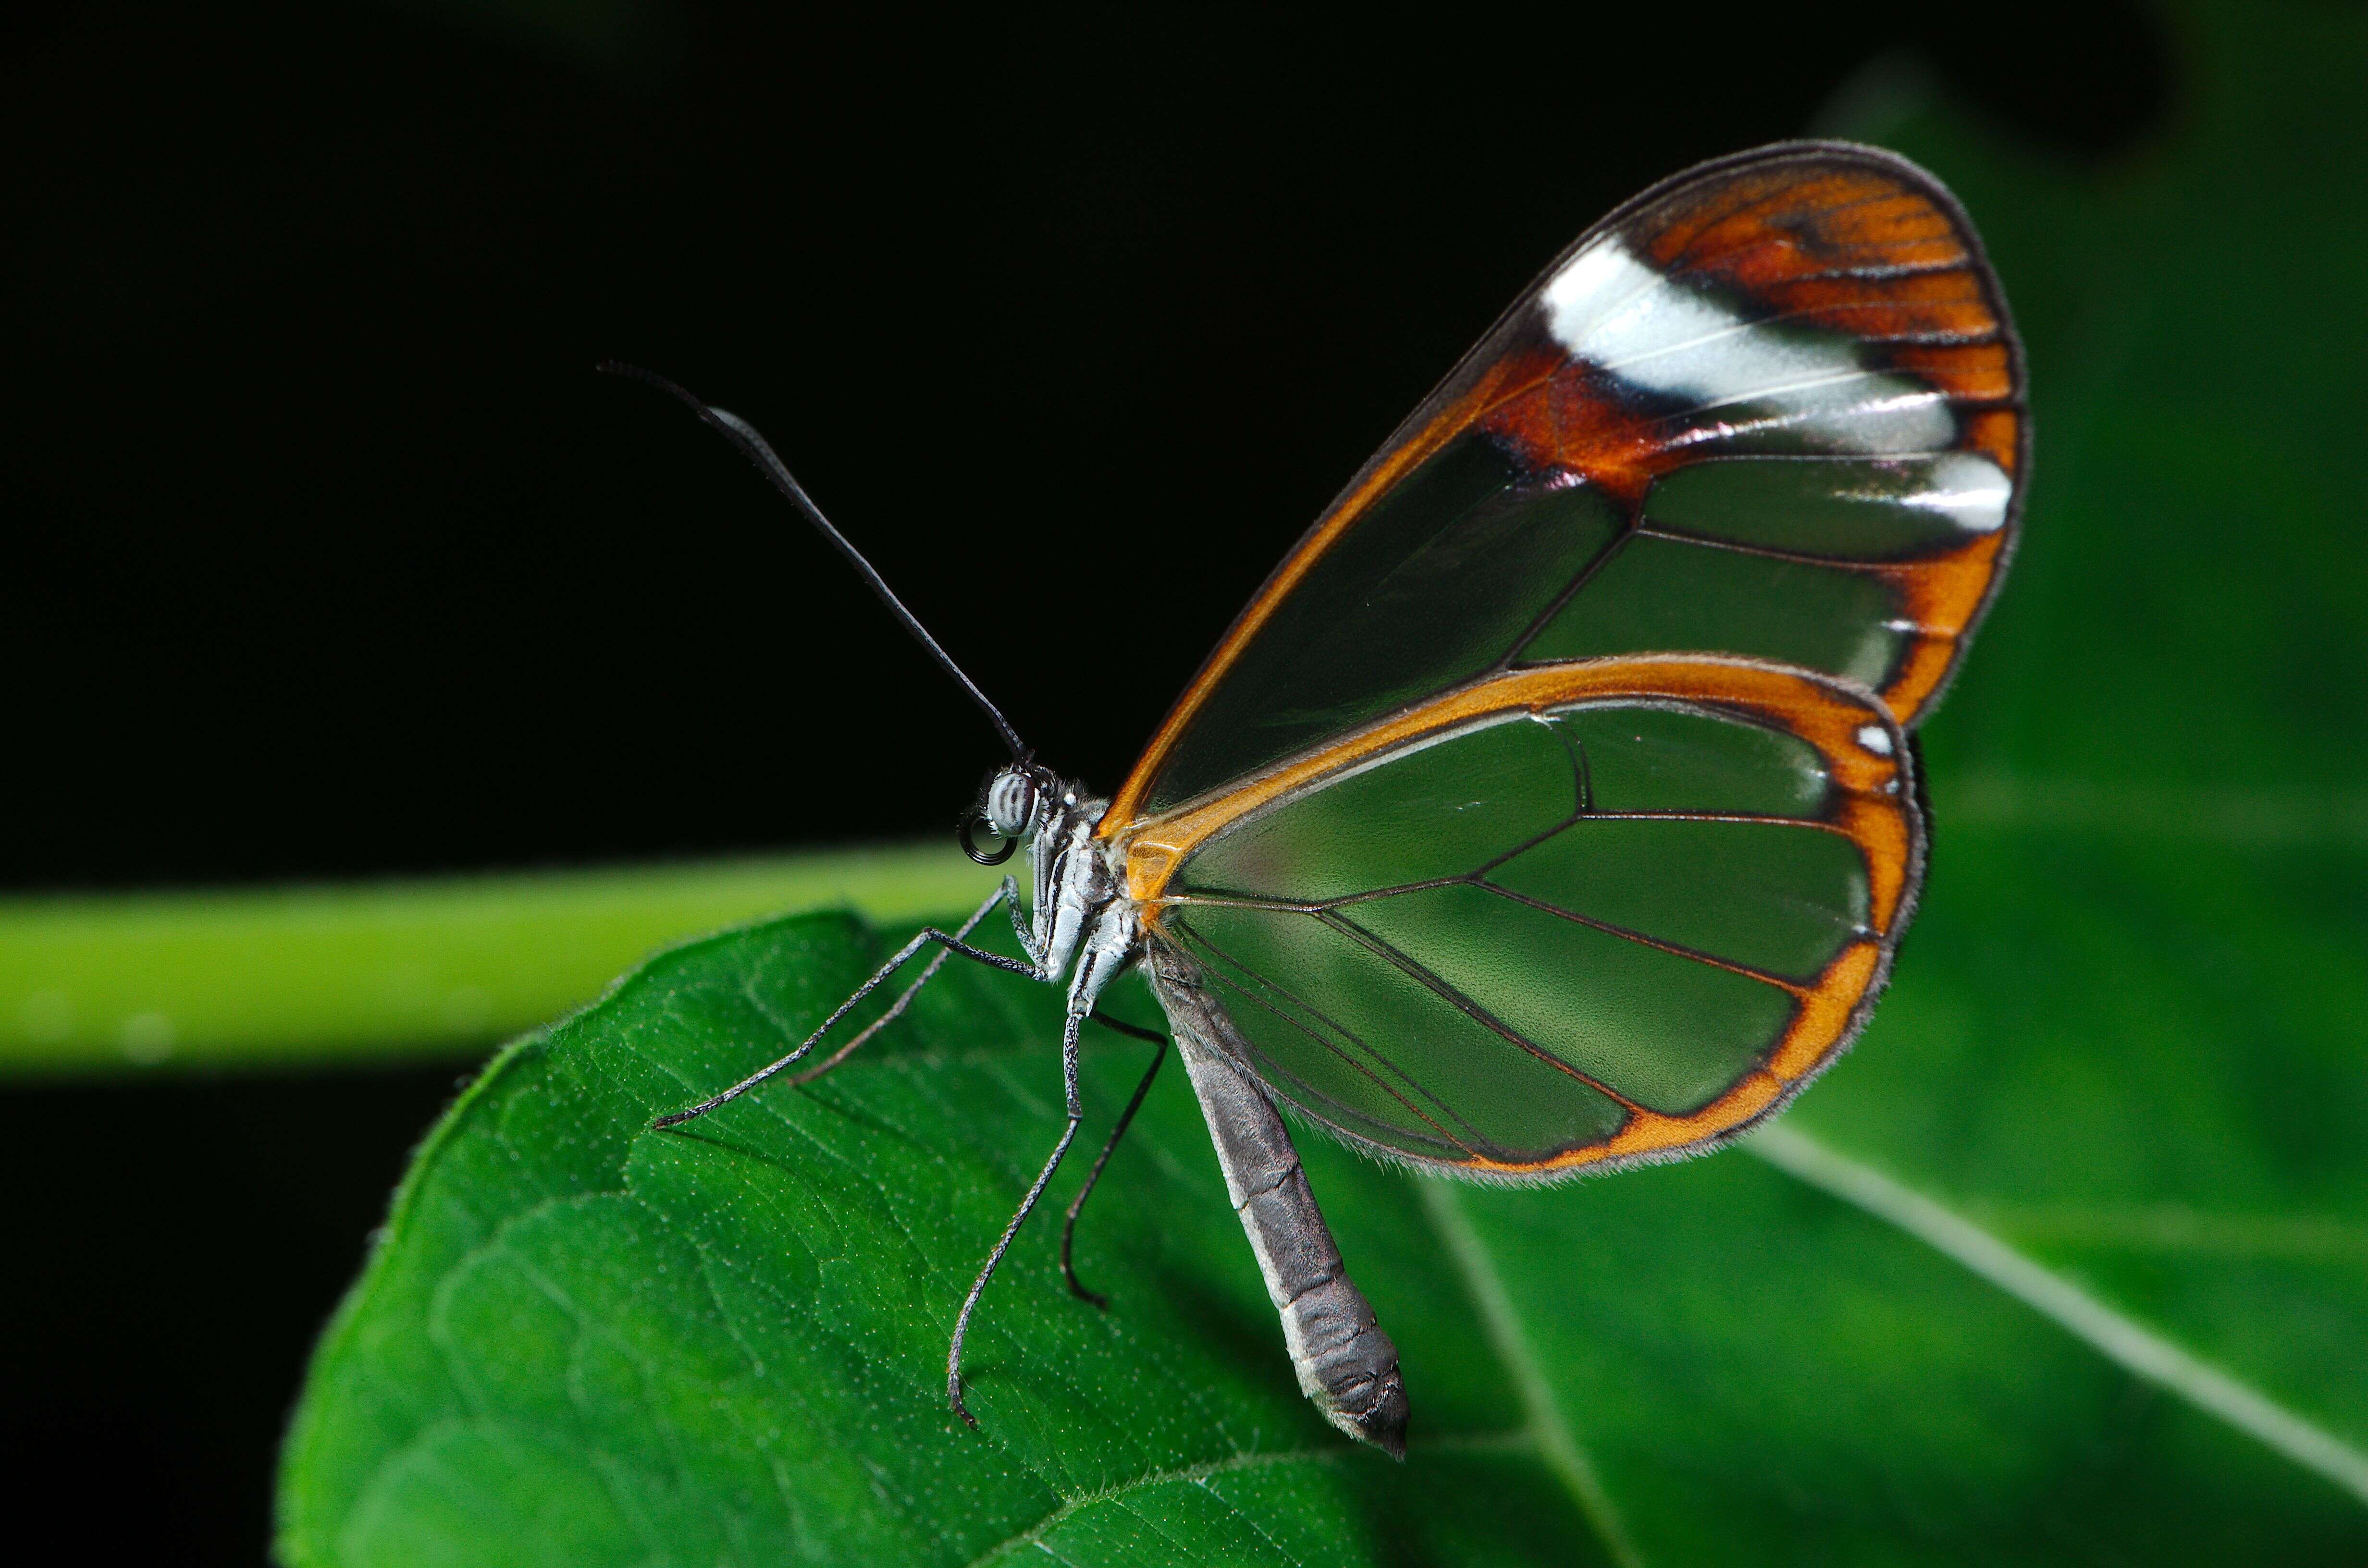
x,y
1849,243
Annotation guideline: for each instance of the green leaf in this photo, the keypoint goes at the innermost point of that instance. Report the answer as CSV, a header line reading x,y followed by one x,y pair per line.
x,y
2068,1264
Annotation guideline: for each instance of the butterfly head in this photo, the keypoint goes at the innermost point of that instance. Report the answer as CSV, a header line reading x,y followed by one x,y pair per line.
x,y
1011,807
1014,797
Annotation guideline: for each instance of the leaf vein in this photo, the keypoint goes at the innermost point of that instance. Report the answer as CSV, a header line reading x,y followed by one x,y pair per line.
x,y
2120,1339
1118,1491
1557,1443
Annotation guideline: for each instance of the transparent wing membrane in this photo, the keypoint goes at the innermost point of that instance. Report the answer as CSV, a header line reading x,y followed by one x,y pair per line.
x,y
1579,925
1548,806
1446,575
1773,409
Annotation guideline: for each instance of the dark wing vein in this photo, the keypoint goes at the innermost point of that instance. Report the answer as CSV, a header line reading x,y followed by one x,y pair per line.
x,y
1446,992
1257,991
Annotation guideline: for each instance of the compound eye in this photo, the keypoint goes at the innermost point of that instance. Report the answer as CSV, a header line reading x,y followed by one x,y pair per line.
x,y
1011,804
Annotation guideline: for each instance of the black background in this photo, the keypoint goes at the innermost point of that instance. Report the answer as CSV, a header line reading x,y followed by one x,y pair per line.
x,y
329,555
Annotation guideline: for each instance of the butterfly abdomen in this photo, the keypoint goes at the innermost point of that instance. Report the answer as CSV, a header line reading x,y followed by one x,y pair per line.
x,y
1346,1363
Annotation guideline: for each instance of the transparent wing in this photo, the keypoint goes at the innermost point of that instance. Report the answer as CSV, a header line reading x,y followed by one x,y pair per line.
x,y
1573,915
1771,408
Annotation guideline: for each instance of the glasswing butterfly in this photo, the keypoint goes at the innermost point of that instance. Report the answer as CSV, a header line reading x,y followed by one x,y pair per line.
x,y
1551,807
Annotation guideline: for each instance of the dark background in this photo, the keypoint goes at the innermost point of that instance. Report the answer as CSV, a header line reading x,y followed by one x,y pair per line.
x,y
329,555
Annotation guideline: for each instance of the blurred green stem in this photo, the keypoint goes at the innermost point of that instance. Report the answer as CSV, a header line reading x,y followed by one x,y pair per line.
x,y
390,971
305,976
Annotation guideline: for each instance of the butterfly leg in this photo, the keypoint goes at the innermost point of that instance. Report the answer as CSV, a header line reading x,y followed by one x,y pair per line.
x,y
1078,1010
1008,891
1100,961
1125,1118
951,943
1023,926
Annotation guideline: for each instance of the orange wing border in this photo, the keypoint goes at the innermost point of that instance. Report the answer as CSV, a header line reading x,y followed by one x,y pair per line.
x,y
1965,346
1873,804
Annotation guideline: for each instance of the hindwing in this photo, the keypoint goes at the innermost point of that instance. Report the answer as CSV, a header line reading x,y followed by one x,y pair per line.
x,y
1566,916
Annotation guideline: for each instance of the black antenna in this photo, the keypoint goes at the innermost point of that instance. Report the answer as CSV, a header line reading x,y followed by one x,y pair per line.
x,y
743,435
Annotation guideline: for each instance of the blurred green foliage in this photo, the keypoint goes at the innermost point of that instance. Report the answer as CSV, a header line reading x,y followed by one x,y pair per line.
x,y
2068,1263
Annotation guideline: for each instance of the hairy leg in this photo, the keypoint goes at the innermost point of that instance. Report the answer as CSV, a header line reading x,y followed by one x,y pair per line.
x,y
952,944
1008,891
1125,1118
1020,1217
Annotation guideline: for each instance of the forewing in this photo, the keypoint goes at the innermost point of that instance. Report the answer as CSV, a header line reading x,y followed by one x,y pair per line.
x,y
1572,916
1771,408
